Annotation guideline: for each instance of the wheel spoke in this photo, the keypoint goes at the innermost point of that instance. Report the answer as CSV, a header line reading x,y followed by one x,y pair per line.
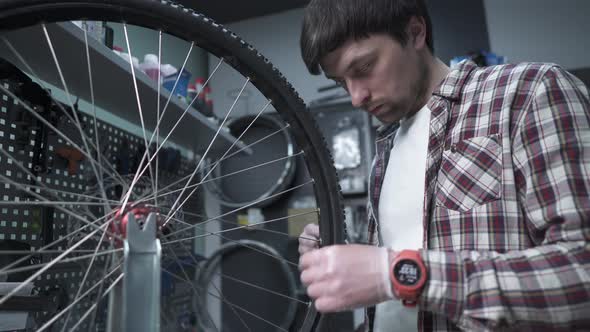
x,y
95,305
190,50
161,145
77,299
59,105
50,203
62,261
69,99
86,274
227,222
217,289
226,302
266,163
41,250
98,299
184,179
157,129
280,259
136,90
196,185
173,211
287,297
140,173
52,127
67,193
45,252
186,277
46,267
97,142
254,143
239,138
226,230
57,206
25,170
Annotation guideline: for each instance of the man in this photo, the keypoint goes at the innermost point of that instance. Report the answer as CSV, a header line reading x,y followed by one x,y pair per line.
x,y
479,208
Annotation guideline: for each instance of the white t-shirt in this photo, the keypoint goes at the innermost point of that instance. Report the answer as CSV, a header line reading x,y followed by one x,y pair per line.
x,y
401,207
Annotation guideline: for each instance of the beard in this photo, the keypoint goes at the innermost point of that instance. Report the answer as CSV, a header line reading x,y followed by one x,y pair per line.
x,y
420,87
407,107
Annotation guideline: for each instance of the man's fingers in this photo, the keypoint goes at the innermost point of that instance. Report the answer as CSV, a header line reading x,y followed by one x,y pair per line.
x,y
308,259
320,288
307,276
328,304
307,242
312,230
310,234
306,247
309,238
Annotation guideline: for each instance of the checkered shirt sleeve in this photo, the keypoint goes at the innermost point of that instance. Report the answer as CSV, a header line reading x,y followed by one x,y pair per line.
x,y
547,286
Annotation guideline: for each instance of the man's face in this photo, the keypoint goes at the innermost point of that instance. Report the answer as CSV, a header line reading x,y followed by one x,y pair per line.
x,y
383,77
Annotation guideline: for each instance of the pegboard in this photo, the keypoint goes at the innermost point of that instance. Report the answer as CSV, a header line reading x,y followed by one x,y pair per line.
x,y
38,225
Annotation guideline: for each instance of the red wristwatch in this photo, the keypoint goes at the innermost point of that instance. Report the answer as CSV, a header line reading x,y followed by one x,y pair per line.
x,y
408,275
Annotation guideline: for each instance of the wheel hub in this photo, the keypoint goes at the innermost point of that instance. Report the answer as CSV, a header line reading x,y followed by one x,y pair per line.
x,y
140,212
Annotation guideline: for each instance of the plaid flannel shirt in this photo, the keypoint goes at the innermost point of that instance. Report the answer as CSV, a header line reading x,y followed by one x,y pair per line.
x,y
507,201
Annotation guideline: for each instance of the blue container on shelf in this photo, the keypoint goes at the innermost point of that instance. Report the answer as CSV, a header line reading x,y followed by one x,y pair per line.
x,y
182,85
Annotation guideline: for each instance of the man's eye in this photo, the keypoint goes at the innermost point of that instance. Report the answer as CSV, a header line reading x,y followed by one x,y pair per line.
x,y
365,67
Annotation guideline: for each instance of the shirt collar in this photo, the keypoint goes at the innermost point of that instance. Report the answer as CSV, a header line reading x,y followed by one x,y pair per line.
x,y
452,86
385,130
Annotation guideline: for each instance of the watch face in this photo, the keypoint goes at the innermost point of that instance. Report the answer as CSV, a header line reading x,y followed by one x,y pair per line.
x,y
407,272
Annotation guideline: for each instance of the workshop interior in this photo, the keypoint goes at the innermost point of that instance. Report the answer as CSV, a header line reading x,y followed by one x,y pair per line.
x,y
158,161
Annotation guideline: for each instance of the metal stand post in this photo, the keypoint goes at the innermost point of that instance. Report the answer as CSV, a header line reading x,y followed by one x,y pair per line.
x,y
140,309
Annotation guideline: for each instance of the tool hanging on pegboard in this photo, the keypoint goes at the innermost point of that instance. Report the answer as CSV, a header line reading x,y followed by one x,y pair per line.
x,y
31,131
29,128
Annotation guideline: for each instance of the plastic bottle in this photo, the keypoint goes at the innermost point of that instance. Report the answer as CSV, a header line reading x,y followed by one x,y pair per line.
x,y
168,69
150,66
119,51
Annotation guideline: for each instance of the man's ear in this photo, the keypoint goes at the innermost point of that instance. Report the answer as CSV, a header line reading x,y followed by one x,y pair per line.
x,y
416,31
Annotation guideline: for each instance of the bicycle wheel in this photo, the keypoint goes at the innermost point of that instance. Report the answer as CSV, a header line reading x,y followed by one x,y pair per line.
x,y
73,178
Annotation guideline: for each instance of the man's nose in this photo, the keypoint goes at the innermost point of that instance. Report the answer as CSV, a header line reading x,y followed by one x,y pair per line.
x,y
359,94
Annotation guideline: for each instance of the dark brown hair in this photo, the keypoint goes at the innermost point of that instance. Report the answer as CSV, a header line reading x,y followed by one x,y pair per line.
x,y
328,24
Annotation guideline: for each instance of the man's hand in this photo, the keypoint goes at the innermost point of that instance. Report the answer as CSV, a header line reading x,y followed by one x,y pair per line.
x,y
345,277
309,239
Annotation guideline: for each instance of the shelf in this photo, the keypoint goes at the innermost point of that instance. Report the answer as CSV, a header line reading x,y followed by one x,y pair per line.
x,y
113,84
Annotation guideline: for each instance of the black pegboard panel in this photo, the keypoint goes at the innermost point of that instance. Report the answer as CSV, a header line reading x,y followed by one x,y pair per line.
x,y
37,225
